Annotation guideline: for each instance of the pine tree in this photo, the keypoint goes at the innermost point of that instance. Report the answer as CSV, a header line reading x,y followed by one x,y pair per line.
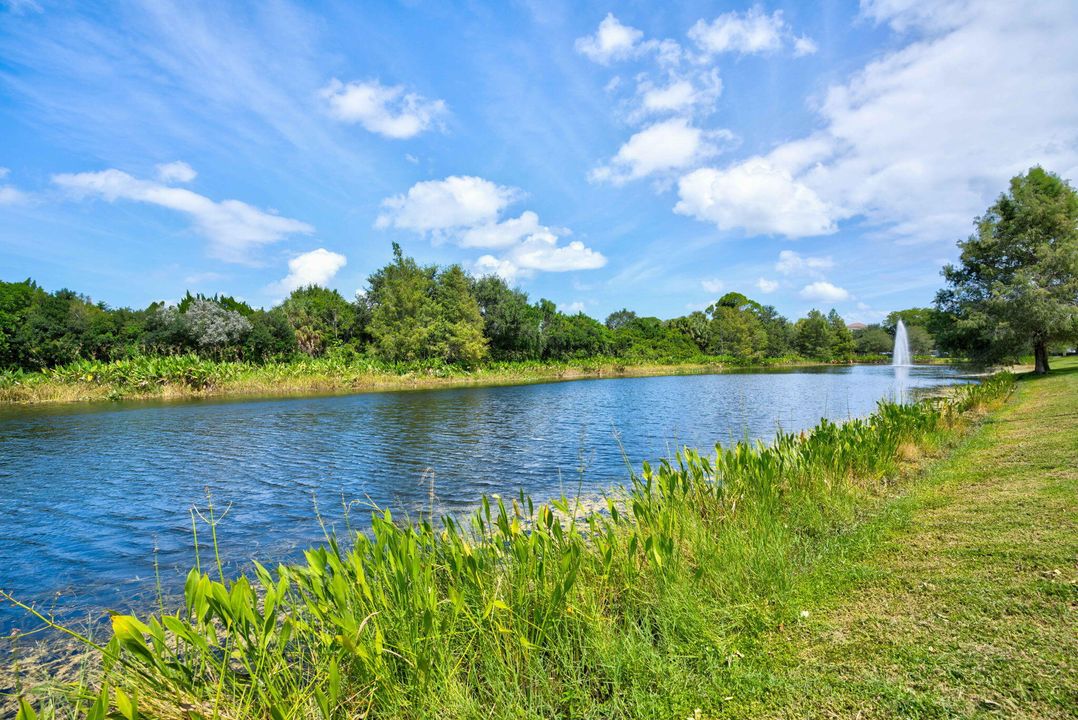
x,y
457,336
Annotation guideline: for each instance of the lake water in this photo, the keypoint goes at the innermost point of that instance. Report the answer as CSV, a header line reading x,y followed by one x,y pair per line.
x,y
88,492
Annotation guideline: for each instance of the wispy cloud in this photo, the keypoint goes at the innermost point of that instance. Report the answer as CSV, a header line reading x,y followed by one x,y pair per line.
x,y
169,74
767,286
899,146
794,263
20,6
178,171
9,194
234,228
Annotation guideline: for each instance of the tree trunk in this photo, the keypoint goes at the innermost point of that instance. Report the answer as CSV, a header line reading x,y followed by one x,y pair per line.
x,y
1040,356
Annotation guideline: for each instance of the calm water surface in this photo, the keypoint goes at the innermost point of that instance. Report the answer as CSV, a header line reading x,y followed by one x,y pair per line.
x,y
88,492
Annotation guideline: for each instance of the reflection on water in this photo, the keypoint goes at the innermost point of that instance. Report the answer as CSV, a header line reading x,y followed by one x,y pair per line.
x,y
88,492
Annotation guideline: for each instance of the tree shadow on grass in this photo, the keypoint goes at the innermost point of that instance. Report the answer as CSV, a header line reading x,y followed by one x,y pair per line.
x,y
1061,366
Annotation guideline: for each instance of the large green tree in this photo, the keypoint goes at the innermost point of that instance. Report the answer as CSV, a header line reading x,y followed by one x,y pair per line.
x,y
619,318
511,324
16,299
650,338
457,334
571,336
694,326
321,319
812,336
873,340
735,327
920,340
842,342
912,317
1016,286
403,309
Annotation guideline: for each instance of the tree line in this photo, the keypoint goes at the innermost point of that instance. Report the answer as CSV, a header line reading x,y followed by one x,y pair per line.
x,y
409,313
1014,291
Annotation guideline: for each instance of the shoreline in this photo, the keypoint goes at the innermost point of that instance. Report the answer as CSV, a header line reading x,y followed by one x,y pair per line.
x,y
878,472
287,380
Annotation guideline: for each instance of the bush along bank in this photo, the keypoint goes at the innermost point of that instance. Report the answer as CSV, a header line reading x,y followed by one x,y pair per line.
x,y
523,610
178,376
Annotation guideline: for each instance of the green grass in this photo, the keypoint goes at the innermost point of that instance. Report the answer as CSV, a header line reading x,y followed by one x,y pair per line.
x,y
685,590
958,599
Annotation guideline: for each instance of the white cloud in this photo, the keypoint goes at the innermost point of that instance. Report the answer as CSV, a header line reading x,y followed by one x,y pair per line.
x,y
865,314
502,234
667,52
920,140
572,308
234,229
903,15
541,252
490,265
792,263
682,86
467,210
316,267
755,196
767,286
752,31
438,205
712,285
10,195
678,95
612,41
382,109
805,46
663,147
178,171
824,291
674,97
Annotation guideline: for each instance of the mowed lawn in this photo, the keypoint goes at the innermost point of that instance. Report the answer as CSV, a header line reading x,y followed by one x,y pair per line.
x,y
961,600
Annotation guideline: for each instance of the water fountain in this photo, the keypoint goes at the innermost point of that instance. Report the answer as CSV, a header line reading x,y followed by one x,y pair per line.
x,y
901,355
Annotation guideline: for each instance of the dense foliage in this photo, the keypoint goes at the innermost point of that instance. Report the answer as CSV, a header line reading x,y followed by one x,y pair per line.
x,y
1016,287
409,314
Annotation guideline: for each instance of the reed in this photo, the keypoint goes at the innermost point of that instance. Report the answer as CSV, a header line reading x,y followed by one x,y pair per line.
x,y
191,375
177,376
630,607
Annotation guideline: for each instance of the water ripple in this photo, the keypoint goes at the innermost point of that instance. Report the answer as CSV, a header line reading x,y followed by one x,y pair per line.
x,y
87,492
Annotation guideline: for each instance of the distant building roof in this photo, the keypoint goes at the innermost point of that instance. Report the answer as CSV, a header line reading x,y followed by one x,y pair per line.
x,y
856,326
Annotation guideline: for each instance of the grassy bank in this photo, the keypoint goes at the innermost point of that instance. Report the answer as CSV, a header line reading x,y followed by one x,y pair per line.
x,y
647,608
190,376
959,598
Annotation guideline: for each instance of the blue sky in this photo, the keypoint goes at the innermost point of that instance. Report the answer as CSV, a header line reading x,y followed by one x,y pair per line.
x,y
649,155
